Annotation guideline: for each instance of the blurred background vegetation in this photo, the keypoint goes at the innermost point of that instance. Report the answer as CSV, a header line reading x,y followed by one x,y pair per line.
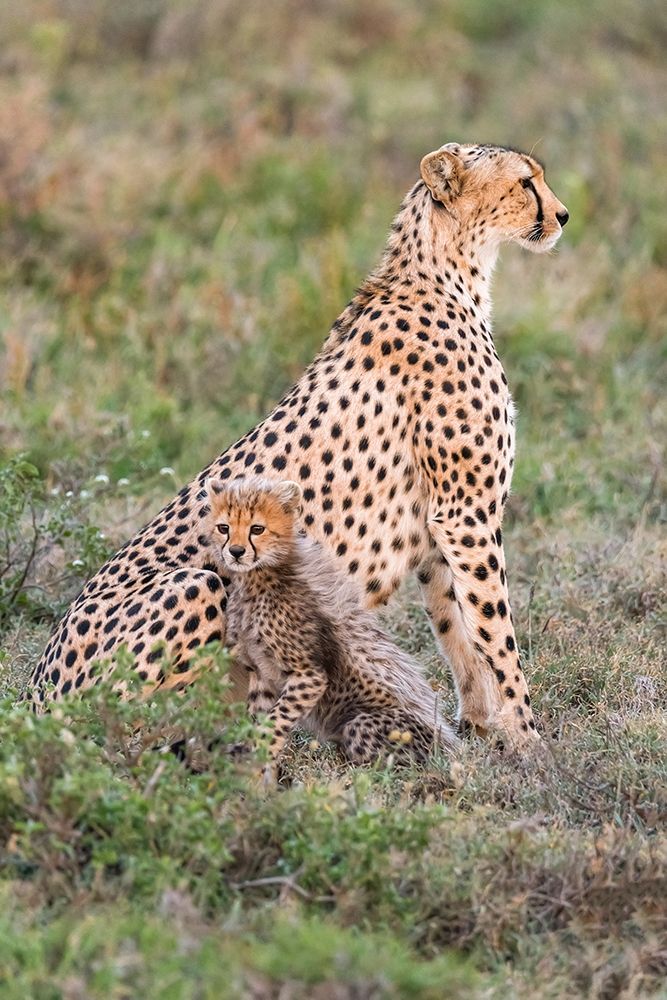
x,y
190,190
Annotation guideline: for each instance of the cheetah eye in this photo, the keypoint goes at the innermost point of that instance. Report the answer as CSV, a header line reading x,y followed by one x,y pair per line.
x,y
223,528
525,182
256,529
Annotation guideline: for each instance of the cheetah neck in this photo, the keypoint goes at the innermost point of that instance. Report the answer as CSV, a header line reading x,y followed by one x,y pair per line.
x,y
430,248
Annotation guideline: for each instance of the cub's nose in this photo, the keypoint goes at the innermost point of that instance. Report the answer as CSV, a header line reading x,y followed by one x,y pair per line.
x,y
563,217
237,550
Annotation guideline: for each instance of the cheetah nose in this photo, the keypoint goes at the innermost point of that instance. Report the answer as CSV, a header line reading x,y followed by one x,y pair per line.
x,y
563,217
237,550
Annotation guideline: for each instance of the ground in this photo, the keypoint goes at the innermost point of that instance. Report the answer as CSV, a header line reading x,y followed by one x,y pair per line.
x,y
187,199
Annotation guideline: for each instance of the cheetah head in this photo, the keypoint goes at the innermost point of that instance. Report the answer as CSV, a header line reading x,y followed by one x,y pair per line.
x,y
495,195
253,521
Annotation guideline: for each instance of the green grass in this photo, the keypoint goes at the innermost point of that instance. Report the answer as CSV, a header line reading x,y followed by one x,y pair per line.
x,y
189,194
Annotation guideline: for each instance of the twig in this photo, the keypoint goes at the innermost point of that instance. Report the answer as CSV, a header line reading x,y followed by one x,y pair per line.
x,y
154,778
29,561
287,882
530,622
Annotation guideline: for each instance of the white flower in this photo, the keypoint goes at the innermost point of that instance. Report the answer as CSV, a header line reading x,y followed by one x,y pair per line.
x,y
77,562
69,494
84,494
123,481
167,470
102,478
100,534
145,434
55,491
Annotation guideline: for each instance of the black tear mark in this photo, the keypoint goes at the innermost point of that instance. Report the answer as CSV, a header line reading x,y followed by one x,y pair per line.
x,y
527,183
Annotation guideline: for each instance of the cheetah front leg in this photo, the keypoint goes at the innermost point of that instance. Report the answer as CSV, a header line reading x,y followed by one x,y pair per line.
x,y
300,694
466,595
261,695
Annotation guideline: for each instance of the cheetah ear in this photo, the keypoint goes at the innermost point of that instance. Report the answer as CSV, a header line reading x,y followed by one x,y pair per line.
x,y
288,495
213,486
443,171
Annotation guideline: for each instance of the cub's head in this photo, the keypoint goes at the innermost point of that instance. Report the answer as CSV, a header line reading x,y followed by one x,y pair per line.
x,y
497,194
253,521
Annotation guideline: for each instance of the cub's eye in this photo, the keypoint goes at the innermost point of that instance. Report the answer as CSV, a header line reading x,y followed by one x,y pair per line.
x,y
525,182
256,529
223,528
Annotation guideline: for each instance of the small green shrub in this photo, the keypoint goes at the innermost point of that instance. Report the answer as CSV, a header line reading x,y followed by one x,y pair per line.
x,y
30,530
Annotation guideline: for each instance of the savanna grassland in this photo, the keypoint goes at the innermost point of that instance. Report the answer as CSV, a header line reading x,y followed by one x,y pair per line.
x,y
189,193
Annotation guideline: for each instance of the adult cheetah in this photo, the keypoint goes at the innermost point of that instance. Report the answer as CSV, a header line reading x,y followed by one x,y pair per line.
x,y
401,435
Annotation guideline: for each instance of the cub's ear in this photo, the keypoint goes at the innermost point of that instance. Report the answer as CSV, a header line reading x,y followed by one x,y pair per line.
x,y
214,487
443,172
289,495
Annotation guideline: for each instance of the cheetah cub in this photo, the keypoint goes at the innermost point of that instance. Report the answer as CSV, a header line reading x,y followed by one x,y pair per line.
x,y
313,654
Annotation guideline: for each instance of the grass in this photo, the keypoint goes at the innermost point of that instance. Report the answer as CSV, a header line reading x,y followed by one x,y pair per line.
x,y
189,193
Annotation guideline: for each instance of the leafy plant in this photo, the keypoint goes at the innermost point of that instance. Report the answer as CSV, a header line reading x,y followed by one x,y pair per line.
x,y
32,526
